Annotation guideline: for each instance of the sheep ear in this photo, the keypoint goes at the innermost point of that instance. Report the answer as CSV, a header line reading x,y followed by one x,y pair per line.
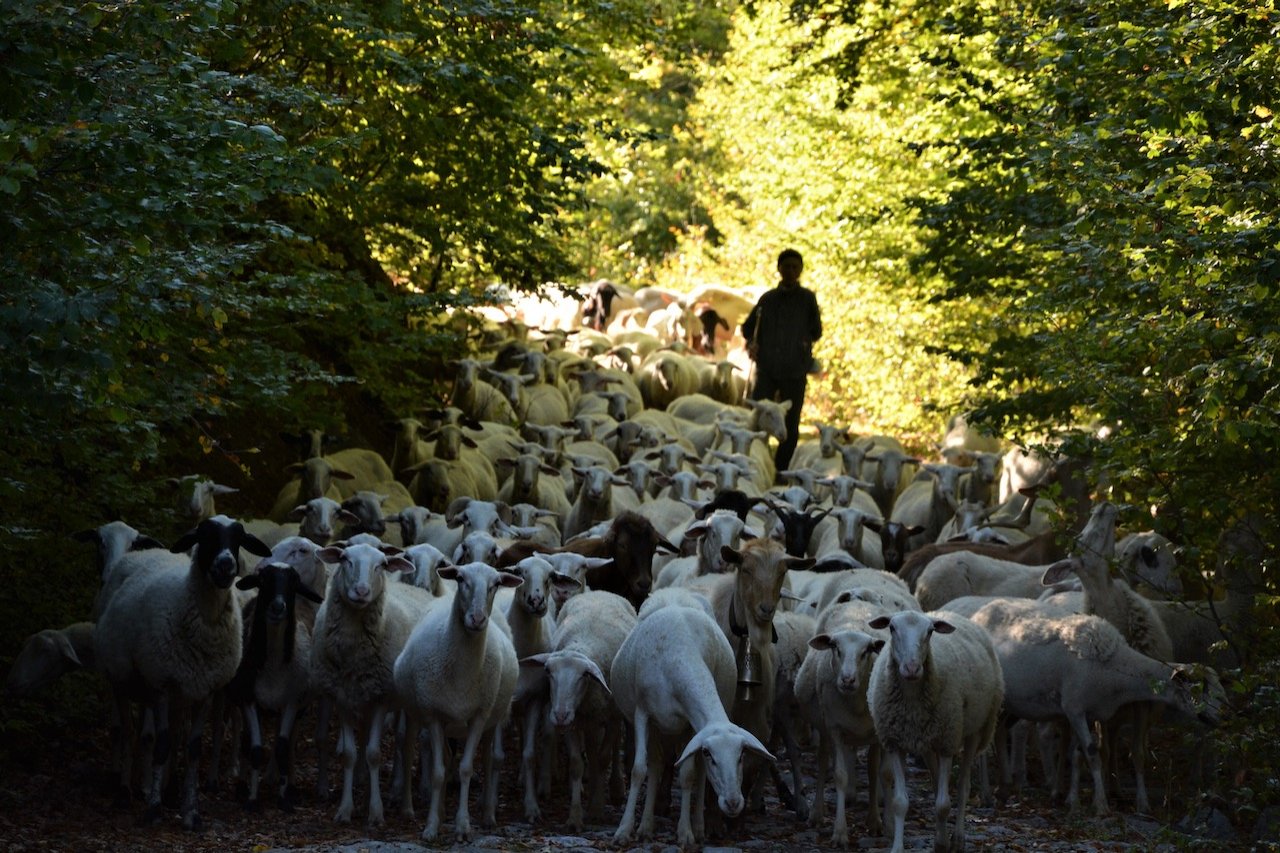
x,y
397,563
879,623
185,542
339,474
509,580
331,554
248,582
821,642
876,645
751,743
594,671
539,660
297,513
729,555
914,529
691,749
449,573
142,543
566,583
942,626
253,544
1058,572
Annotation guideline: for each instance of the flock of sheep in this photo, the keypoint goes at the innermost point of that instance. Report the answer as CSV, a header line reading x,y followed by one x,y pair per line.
x,y
588,560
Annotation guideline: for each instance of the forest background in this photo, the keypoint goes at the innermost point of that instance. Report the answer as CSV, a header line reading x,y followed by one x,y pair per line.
x,y
224,220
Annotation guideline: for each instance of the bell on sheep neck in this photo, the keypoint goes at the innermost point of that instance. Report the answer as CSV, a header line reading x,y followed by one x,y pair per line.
x,y
749,677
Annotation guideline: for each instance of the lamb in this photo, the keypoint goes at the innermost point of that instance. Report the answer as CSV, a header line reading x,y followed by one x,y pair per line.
x,y
592,627
427,560
676,671
458,670
360,628
48,655
1078,667
177,634
275,671
835,686
531,630
936,692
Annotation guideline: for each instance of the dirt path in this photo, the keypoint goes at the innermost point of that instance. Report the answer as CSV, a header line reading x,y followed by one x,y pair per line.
x,y
55,799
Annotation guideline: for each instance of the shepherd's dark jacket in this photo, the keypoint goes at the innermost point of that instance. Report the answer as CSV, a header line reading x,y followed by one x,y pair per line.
x,y
781,321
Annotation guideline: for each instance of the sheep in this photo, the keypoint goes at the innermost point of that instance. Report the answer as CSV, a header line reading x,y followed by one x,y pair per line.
x,y
720,528
793,631
177,635
114,540
275,671
194,497
1077,667
846,531
476,397
527,485
835,687
895,541
675,670
744,601
929,502
531,630
935,691
367,506
317,477
360,628
959,573
458,449
592,627
628,548
427,560
596,500
885,463
316,519
1041,549
458,670
48,655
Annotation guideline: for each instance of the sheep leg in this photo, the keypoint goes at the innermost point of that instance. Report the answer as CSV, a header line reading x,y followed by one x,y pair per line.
x,y
1088,741
373,761
489,816
466,769
875,789
639,767
253,731
528,759
689,778
942,803
432,830
898,803
818,812
195,737
651,794
408,747
123,737
845,789
284,755
218,736
159,758
573,740
799,802
324,711
347,751
1141,731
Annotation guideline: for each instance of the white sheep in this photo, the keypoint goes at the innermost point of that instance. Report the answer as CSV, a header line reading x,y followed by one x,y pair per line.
x,y
178,635
458,672
675,675
1078,667
114,540
529,616
360,628
592,627
959,573
936,692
